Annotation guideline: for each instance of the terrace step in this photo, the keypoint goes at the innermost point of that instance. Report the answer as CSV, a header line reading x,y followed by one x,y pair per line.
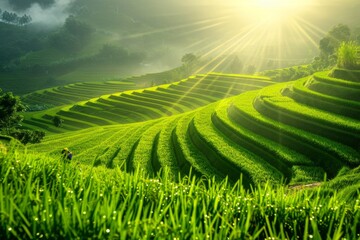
x,y
300,93
188,154
286,110
231,159
324,152
273,152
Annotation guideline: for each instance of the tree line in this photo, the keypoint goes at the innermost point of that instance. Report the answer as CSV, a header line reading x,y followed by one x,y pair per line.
x,y
13,18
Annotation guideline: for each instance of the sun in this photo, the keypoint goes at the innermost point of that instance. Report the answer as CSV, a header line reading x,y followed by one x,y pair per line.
x,y
281,4
274,11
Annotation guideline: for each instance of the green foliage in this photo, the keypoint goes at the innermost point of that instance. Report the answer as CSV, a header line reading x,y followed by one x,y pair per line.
x,y
277,133
236,66
58,121
13,18
135,106
350,75
190,63
27,136
330,43
10,106
45,197
10,120
16,41
348,55
72,37
251,69
293,73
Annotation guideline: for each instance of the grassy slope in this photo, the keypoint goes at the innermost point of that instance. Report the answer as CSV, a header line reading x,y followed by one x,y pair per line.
x,y
271,138
137,105
95,197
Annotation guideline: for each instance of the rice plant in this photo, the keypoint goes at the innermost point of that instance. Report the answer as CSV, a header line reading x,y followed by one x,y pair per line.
x,y
44,198
348,55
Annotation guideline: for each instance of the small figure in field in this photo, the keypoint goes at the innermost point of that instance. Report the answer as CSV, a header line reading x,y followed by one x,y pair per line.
x,y
66,154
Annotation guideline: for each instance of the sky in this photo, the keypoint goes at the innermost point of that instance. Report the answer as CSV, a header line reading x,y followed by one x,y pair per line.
x,y
323,13
54,15
251,28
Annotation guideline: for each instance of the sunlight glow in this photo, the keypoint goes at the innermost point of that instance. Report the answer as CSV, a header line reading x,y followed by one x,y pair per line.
x,y
281,4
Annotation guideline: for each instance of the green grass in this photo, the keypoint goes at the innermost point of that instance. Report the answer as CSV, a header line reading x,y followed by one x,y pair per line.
x,y
227,156
72,93
186,163
350,75
347,55
313,146
255,133
187,153
144,104
284,109
43,197
273,152
300,92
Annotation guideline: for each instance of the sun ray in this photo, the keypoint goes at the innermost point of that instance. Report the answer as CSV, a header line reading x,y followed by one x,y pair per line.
x,y
173,28
303,33
233,46
312,26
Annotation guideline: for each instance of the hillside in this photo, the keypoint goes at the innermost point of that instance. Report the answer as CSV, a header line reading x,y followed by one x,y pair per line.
x,y
137,105
294,131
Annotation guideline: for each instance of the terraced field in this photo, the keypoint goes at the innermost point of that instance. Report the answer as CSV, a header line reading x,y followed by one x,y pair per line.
x,y
220,125
146,104
73,93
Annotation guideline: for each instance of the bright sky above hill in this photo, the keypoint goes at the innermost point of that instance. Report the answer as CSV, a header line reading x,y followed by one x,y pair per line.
x,y
279,27
261,29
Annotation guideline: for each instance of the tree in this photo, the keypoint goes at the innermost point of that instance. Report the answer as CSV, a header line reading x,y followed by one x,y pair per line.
x,y
26,136
25,19
10,17
10,106
236,65
188,58
10,119
339,33
189,61
77,28
356,35
251,69
331,42
72,36
58,121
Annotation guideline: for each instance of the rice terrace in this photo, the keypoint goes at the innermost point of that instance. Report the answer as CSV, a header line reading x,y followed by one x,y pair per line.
x,y
154,119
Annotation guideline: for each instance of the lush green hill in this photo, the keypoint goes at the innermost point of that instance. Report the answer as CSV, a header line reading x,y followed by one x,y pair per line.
x,y
123,181
138,105
292,132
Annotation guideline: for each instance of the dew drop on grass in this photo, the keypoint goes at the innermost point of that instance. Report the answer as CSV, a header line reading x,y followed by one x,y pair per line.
x,y
10,229
107,230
